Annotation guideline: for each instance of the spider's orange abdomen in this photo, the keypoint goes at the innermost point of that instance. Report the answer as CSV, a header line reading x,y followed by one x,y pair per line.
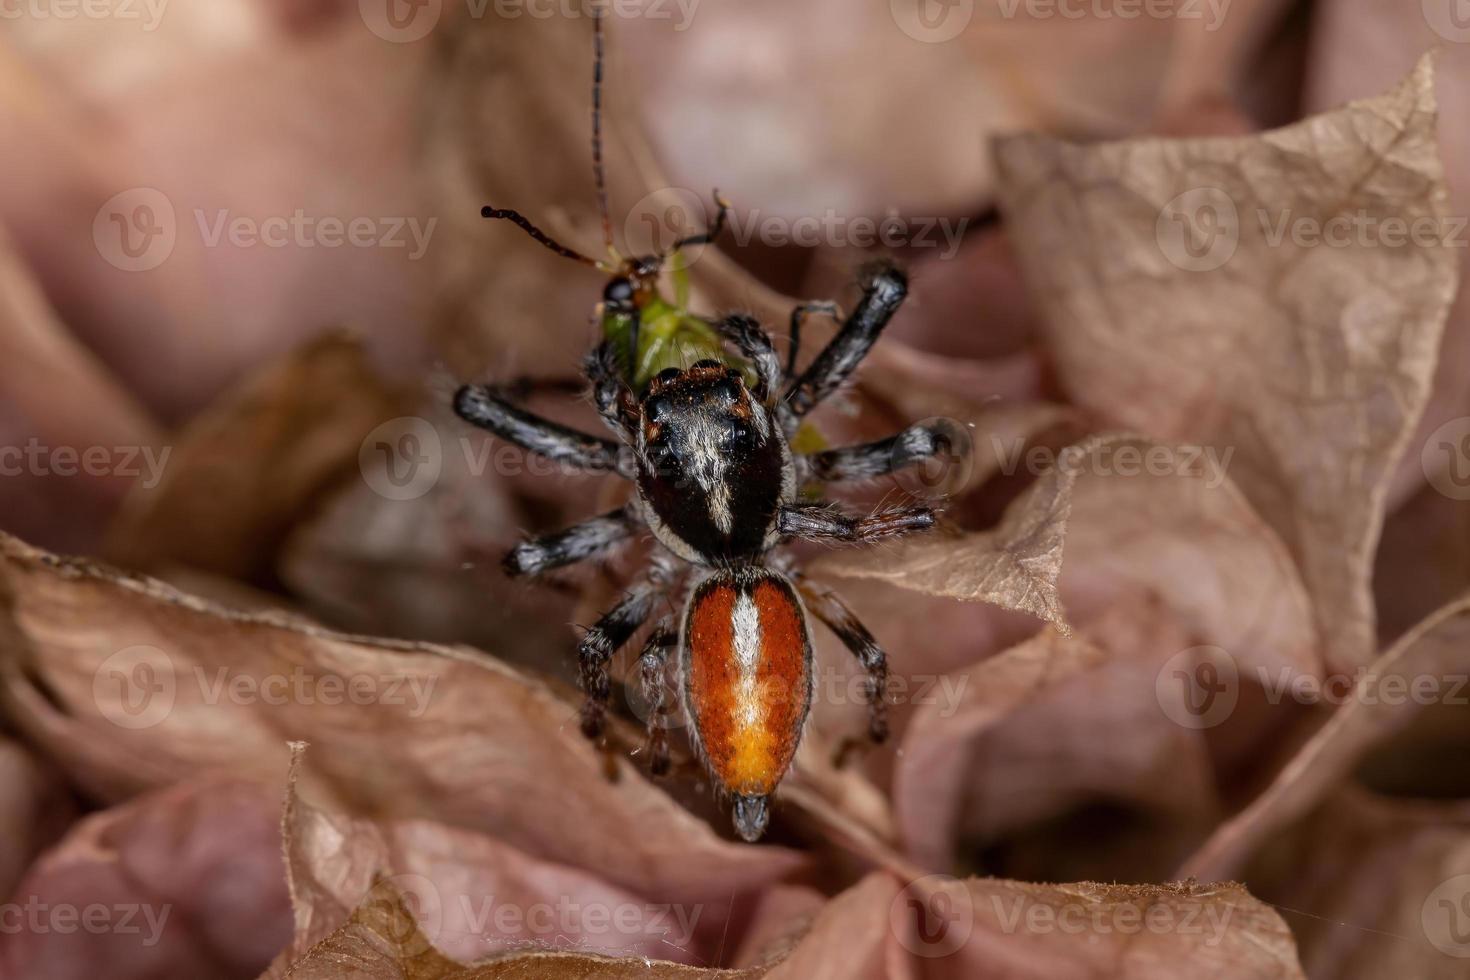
x,y
747,678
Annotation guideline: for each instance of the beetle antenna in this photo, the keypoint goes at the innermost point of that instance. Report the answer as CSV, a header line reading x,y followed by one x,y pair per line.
x,y
520,221
722,211
599,174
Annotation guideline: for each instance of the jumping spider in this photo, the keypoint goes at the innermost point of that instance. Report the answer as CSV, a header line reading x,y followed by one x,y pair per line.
x,y
709,448
717,484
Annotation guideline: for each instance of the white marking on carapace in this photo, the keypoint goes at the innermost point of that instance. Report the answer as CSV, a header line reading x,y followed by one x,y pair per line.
x,y
746,626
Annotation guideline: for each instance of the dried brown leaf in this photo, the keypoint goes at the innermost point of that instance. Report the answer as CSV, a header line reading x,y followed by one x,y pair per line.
x,y
35,810
185,881
1394,909
243,472
39,357
1124,932
1015,565
1311,363
131,684
475,896
1384,700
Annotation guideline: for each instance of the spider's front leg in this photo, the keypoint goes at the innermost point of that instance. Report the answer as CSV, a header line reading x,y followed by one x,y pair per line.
x,y
489,408
884,289
754,344
824,522
914,445
589,539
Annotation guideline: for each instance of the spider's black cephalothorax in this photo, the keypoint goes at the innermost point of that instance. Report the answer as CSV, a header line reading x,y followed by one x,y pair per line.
x,y
717,484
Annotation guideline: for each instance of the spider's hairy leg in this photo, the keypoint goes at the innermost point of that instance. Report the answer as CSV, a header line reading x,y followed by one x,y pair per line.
x,y
798,317
606,637
588,539
822,522
830,609
754,344
913,445
614,400
652,663
487,407
884,289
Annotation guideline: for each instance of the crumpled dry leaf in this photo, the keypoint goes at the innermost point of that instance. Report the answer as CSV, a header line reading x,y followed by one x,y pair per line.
x,y
208,111
1391,910
978,927
243,472
1014,565
131,684
382,942
35,809
38,358
475,896
1239,342
1157,565
1383,702
1361,47
186,882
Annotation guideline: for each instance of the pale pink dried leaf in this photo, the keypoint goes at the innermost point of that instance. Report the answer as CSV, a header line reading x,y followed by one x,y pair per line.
x,y
1123,932
1391,911
1311,363
194,867
1014,565
447,733
1359,48
39,357
1435,650
35,809
463,883
382,942
248,468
